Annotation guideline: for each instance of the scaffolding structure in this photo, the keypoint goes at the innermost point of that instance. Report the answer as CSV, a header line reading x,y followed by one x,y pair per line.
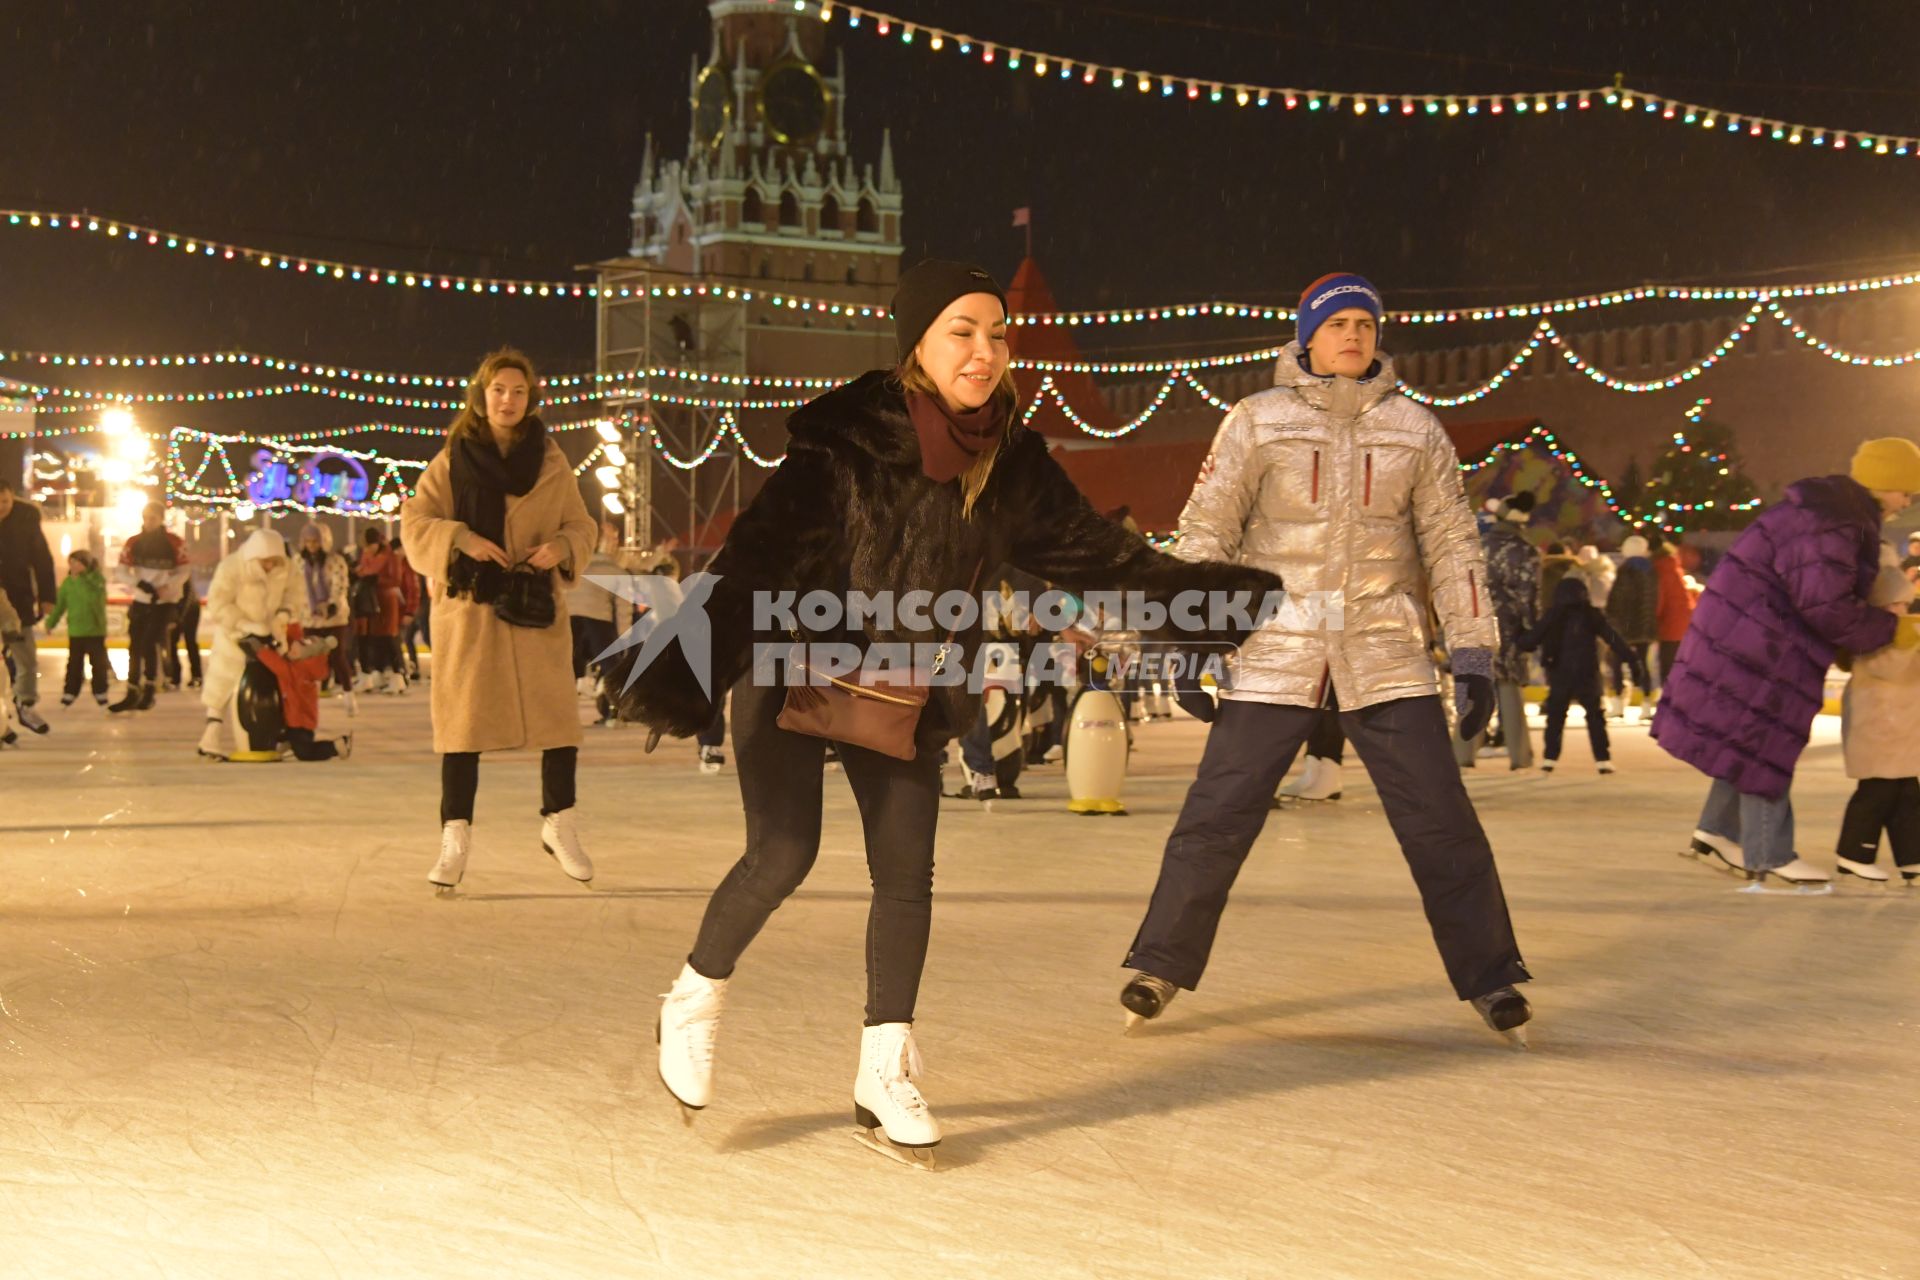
x,y
660,418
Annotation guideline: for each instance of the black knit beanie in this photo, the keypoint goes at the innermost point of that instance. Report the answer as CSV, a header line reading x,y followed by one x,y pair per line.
x,y
927,289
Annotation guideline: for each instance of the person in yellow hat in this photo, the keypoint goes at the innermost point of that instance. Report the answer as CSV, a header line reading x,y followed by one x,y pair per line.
x,y
1750,674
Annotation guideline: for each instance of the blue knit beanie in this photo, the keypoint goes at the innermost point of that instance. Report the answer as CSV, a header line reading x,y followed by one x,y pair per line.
x,y
1334,293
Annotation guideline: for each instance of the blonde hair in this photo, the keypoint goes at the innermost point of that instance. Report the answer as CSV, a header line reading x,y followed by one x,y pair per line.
x,y
473,415
973,480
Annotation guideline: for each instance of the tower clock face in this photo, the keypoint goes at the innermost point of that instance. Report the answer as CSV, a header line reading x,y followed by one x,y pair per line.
x,y
793,102
712,105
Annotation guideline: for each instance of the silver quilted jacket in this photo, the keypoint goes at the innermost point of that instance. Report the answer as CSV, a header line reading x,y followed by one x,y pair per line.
x,y
1351,493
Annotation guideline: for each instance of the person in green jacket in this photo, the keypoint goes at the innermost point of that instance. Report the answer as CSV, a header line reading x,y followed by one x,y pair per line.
x,y
82,601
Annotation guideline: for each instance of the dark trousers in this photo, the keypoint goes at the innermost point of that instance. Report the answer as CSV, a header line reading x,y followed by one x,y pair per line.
x,y
460,782
186,629
1891,805
715,734
1561,696
1617,670
591,636
1669,650
307,747
146,633
899,802
80,651
378,653
1404,745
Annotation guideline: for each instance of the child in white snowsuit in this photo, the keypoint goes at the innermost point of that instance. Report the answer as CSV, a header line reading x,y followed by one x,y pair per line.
x,y
1569,638
1880,734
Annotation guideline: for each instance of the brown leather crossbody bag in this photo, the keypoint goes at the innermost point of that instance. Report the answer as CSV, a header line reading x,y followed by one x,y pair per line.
x,y
878,711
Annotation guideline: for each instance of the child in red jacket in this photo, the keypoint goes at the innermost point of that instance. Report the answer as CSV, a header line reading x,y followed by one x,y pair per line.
x,y
299,671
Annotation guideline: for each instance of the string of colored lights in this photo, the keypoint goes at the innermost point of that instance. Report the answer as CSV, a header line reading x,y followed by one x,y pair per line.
x,y
1185,88
95,398
729,428
1688,374
316,268
1834,352
61,359
187,489
90,360
1491,385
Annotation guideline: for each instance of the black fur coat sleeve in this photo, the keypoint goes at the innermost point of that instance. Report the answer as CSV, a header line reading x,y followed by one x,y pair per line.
x,y
1060,537
787,539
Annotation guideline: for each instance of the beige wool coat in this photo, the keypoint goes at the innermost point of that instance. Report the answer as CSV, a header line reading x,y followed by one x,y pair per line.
x,y
497,687
1880,710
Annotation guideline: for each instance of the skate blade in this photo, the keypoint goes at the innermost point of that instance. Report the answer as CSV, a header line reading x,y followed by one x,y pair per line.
x,y
446,892
921,1158
1135,1021
1760,885
1711,859
1517,1039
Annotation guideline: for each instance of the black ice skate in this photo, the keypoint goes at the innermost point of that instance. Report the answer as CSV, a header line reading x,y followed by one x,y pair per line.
x,y
1507,1012
1144,997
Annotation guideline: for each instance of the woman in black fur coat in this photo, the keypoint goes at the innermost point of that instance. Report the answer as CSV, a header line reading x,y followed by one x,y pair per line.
x,y
917,478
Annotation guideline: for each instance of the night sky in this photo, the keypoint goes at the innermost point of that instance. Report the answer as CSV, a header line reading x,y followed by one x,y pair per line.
x,y
505,138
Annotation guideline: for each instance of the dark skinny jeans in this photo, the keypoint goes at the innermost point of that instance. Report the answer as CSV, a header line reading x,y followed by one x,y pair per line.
x,y
899,802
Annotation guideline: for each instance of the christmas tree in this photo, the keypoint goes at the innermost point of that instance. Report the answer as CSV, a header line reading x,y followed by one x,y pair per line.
x,y
1697,481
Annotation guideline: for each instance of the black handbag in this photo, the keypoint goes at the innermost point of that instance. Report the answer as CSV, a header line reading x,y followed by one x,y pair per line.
x,y
364,600
525,597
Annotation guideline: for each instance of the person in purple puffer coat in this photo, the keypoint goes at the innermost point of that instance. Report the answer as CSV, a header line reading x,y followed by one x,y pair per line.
x,y
1751,672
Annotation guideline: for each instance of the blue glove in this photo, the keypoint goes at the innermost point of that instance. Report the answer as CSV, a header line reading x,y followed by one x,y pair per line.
x,y
1473,690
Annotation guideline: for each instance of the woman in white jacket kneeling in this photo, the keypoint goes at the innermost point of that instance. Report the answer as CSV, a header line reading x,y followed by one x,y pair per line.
x,y
255,592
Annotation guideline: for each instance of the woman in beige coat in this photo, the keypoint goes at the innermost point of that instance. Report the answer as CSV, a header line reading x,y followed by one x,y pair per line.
x,y
500,496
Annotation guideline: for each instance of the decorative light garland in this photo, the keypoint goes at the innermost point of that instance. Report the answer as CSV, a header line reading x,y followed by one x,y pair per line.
x,y
188,490
1184,88
1833,352
316,268
96,399
61,359
1491,385
1572,357
729,428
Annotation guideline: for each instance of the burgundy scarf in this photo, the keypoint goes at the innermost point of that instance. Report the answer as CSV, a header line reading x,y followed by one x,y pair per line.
x,y
950,442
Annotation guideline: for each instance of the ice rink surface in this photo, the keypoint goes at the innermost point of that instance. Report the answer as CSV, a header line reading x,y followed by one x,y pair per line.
x,y
242,1037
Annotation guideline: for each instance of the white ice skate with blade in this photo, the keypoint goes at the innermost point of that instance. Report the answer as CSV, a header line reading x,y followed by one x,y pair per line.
x,y
688,1025
1320,780
456,839
1722,853
893,1118
559,838
1869,873
1798,877
211,745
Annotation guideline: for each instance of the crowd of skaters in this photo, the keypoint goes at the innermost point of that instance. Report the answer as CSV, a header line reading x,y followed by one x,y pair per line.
x,y
499,530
